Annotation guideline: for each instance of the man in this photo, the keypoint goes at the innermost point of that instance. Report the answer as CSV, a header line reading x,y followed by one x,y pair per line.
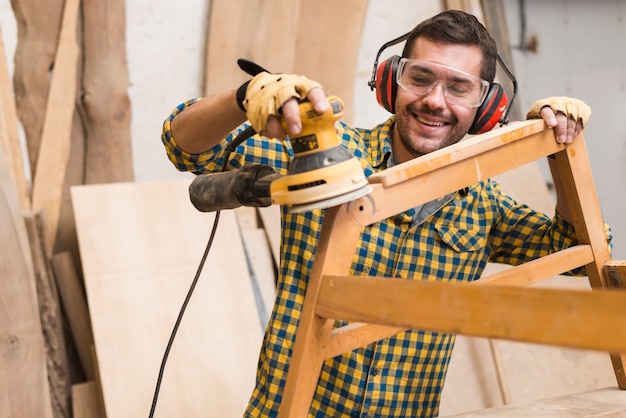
x,y
403,375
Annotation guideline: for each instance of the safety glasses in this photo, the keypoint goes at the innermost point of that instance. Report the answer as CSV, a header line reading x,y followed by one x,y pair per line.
x,y
459,88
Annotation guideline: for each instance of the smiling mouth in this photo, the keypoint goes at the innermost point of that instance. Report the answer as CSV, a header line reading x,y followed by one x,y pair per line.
x,y
430,123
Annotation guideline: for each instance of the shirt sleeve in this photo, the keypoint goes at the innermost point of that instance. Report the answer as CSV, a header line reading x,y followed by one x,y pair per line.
x,y
255,150
522,234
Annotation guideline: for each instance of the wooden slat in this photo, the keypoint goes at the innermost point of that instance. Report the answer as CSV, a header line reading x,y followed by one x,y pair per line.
x,y
75,306
262,266
38,26
141,244
542,268
326,49
258,31
9,137
52,321
569,318
24,388
108,150
55,140
461,164
86,401
270,217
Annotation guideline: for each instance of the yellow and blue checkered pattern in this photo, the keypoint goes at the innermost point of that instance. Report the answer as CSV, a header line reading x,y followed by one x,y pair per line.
x,y
401,376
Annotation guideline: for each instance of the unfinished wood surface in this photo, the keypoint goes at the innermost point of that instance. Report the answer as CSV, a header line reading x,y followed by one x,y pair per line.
x,y
54,150
608,402
106,103
9,137
506,312
318,39
471,161
263,271
327,40
141,244
75,306
85,401
24,386
38,26
263,32
270,217
52,322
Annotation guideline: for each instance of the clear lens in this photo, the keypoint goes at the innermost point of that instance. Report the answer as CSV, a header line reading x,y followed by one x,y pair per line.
x,y
459,88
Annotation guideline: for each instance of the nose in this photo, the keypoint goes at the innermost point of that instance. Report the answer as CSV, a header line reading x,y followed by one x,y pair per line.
x,y
436,97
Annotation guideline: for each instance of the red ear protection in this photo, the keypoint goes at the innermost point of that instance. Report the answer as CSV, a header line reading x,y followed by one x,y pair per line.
x,y
488,114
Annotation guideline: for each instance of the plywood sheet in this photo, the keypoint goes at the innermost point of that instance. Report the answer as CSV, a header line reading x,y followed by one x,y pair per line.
x,y
263,272
606,402
141,244
258,31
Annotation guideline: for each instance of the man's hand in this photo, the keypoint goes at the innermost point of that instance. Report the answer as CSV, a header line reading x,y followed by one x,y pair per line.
x,y
291,114
269,97
567,115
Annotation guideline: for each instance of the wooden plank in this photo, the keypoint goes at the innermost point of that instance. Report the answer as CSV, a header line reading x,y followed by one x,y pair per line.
x,y
38,26
327,46
55,139
568,318
262,266
270,217
108,156
258,31
541,268
75,306
462,164
607,402
52,322
141,244
86,401
9,137
24,386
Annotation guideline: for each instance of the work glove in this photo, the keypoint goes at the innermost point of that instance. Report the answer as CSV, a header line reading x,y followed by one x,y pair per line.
x,y
572,108
266,93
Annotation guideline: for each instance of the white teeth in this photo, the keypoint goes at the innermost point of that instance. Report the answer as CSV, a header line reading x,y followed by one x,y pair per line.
x,y
430,123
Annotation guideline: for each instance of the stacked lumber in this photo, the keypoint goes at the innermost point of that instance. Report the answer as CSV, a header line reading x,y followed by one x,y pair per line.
x,y
48,344
69,94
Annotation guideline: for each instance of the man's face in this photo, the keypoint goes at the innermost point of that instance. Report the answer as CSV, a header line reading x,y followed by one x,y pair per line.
x,y
428,122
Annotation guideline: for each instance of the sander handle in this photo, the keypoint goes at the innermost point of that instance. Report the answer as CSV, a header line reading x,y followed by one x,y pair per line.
x,y
246,186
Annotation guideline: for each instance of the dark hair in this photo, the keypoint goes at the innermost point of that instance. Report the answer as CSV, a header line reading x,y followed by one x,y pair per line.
x,y
457,27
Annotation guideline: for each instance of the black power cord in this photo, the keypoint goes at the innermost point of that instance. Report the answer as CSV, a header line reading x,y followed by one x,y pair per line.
x,y
245,134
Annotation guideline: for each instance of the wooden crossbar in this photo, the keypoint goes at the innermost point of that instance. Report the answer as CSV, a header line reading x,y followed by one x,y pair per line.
x,y
568,318
380,306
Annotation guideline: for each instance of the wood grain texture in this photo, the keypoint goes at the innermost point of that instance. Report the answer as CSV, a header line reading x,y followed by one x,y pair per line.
x,y
141,244
85,401
9,137
54,151
108,156
52,321
75,304
569,318
38,26
263,32
327,46
24,386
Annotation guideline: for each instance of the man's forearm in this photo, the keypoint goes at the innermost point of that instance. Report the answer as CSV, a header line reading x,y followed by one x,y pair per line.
x,y
202,125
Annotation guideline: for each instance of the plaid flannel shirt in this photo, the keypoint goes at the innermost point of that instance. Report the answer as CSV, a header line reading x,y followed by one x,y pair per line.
x,y
403,375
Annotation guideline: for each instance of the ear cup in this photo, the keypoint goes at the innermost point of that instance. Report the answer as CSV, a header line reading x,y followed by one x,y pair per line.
x,y
386,86
490,112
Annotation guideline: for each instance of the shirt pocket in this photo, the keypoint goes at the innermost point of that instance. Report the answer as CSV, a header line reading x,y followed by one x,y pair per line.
x,y
462,239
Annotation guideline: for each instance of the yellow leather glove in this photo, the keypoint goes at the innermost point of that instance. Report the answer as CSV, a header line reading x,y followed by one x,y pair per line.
x,y
572,108
267,93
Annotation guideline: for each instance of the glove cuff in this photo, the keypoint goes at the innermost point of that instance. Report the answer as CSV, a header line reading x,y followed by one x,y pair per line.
x,y
241,94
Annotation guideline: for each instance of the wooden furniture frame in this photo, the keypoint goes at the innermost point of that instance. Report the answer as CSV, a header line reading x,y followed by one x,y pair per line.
x,y
497,306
